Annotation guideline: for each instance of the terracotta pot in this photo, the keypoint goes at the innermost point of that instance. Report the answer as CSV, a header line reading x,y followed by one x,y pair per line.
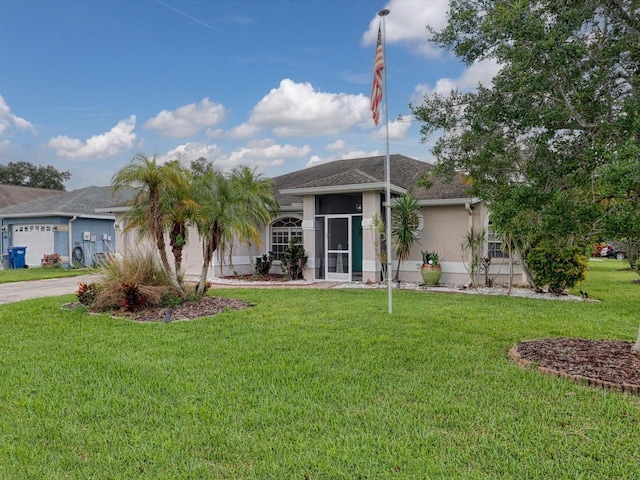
x,y
431,273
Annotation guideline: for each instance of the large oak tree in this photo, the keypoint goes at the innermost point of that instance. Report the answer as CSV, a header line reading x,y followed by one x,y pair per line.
x,y
26,174
552,145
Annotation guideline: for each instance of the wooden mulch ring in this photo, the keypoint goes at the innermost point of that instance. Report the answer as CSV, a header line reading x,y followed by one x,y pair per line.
x,y
599,363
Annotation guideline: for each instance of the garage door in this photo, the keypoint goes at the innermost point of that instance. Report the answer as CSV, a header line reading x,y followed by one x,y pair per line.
x,y
37,238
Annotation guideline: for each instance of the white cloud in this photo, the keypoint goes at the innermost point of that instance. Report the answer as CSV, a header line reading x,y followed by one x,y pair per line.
x,y
188,119
9,120
337,145
296,110
246,130
479,72
262,154
118,139
189,152
318,160
407,23
398,129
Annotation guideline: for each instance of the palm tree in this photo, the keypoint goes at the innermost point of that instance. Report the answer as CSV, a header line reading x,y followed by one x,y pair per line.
x,y
255,191
177,208
404,227
150,179
230,205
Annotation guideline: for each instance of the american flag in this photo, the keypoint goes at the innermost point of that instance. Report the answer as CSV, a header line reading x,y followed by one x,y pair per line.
x,y
376,89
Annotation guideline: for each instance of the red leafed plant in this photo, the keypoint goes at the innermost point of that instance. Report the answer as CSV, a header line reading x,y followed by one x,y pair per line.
x,y
133,298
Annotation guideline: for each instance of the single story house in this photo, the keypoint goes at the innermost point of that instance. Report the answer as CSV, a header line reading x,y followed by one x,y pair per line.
x,y
15,194
330,208
65,223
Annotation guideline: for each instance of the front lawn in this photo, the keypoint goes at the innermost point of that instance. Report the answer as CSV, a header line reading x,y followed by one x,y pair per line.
x,y
24,274
315,384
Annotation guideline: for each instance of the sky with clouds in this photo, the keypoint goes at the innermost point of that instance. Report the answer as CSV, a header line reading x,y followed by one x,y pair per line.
x,y
276,85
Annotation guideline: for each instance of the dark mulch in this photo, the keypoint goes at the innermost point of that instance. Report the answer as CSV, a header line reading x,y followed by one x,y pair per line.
x,y
605,363
206,307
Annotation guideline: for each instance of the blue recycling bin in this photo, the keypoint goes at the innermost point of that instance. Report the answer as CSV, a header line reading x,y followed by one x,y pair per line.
x,y
16,256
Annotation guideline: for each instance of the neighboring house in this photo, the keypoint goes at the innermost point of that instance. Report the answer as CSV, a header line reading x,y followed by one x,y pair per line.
x,y
13,194
66,223
330,208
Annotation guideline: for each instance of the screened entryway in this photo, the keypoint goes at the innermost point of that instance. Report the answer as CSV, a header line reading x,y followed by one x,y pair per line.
x,y
339,237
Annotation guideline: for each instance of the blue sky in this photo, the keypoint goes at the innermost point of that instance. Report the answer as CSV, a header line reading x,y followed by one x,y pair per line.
x,y
273,84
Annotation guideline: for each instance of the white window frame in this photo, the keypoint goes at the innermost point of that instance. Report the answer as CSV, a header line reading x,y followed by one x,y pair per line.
x,y
494,244
287,231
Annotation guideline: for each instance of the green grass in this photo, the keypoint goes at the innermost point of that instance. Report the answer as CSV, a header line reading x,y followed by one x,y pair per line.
x,y
315,384
24,274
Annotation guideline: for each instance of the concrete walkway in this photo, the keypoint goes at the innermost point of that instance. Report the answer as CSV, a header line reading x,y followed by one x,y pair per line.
x,y
16,291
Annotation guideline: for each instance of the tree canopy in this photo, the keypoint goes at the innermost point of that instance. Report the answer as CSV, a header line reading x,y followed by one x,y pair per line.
x,y
553,144
546,144
26,174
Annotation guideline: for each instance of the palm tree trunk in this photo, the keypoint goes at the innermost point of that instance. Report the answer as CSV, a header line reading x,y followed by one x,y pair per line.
x,y
173,277
209,246
636,347
207,254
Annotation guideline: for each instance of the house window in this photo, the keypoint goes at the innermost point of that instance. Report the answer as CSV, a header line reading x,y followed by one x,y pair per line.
x,y
494,244
283,231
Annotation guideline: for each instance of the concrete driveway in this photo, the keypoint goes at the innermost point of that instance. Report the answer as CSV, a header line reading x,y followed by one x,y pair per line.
x,y
14,292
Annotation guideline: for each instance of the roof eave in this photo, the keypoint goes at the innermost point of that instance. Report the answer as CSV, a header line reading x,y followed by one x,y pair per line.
x,y
358,187
120,209
56,214
443,202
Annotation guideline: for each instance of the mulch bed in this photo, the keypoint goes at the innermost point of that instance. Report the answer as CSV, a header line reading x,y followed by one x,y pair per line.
x,y
599,363
206,307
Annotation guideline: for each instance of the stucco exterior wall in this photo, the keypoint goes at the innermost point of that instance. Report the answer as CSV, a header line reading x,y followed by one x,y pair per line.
x,y
128,242
444,231
371,239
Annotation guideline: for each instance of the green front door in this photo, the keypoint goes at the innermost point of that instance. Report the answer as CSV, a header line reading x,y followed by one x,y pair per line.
x,y
356,248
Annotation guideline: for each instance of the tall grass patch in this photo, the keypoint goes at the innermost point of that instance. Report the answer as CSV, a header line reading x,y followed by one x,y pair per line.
x,y
133,282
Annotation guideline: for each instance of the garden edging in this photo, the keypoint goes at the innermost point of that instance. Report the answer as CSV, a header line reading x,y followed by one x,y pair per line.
x,y
577,379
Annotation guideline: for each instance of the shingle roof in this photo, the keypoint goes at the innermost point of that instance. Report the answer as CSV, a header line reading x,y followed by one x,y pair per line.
x,y
83,201
14,194
405,172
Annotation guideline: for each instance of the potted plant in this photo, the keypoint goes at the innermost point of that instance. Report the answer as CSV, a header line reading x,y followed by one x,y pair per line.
x,y
431,270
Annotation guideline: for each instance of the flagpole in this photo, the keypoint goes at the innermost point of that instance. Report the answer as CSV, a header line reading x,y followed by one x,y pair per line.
x,y
383,13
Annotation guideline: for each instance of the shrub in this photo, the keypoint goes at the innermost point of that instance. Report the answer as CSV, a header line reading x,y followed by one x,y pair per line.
x,y
51,261
294,259
559,268
263,265
136,281
87,292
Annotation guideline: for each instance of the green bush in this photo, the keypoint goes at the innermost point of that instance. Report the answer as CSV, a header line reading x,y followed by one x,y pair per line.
x,y
559,268
294,260
263,265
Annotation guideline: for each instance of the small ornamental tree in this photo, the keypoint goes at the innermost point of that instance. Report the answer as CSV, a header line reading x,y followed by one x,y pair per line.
x,y
294,259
